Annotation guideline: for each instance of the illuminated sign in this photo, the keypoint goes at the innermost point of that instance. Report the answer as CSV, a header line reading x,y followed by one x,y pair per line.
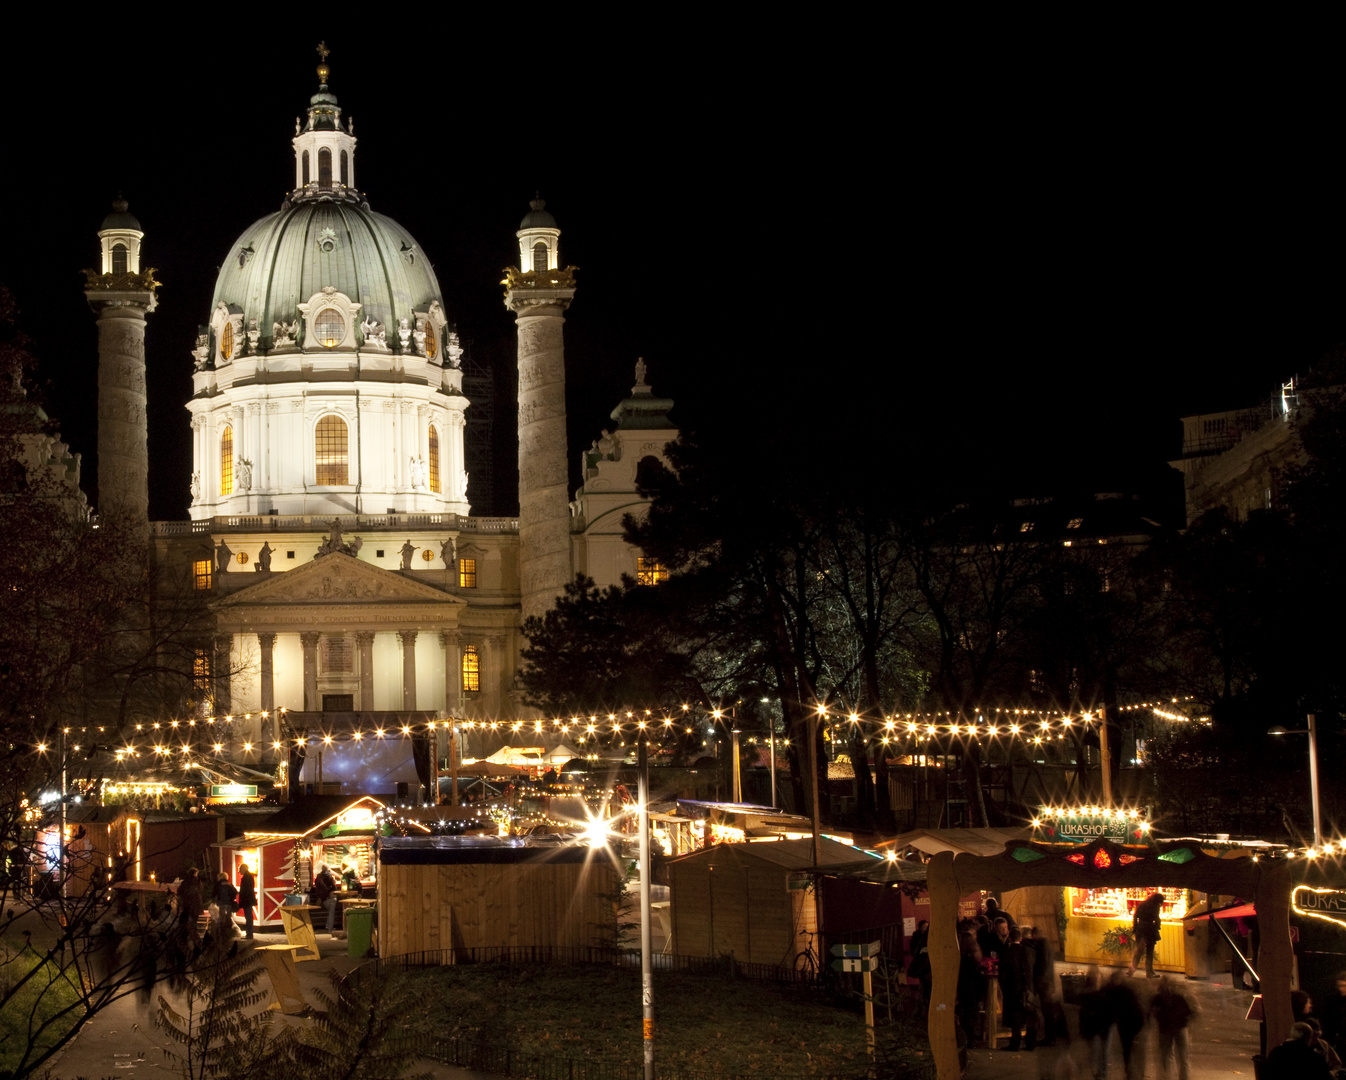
x,y
1077,827
1326,904
233,791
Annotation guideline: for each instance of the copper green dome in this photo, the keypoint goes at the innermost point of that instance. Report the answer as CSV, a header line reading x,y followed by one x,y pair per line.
x,y
285,258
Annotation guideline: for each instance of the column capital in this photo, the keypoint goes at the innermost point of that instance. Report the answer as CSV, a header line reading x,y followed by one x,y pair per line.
x,y
267,641
449,639
309,639
364,637
408,637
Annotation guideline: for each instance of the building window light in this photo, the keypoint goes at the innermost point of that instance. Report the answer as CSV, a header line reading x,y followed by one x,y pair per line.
x,y
227,461
201,571
471,670
650,571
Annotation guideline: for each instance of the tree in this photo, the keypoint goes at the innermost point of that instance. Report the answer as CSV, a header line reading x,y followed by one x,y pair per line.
x,y
93,640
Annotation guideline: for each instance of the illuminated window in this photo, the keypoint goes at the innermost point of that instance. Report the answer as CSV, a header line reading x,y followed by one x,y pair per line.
x,y
467,573
471,670
227,461
324,168
201,570
304,159
431,344
650,571
1074,523
434,459
329,451
329,328
227,341
539,256
201,670
119,262
345,168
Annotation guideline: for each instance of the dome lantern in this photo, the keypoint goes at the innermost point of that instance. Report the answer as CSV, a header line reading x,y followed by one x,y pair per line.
x,y
324,147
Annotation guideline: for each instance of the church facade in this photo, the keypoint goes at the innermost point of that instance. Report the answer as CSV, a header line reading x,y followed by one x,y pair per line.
x,y
329,517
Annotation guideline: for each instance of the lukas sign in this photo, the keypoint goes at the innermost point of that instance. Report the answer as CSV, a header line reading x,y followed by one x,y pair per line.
x,y
1082,827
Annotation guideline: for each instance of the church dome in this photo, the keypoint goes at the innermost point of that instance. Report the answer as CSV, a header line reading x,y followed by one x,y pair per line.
x,y
289,256
120,218
537,216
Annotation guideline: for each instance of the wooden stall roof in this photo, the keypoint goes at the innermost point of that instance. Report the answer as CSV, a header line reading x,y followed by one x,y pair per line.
x,y
959,841
466,850
787,854
879,871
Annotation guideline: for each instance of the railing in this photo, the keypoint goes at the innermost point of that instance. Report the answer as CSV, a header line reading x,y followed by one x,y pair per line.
x,y
349,523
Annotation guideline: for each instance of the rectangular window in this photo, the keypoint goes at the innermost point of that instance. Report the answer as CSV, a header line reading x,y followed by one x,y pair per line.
x,y
201,569
467,573
201,670
471,670
650,571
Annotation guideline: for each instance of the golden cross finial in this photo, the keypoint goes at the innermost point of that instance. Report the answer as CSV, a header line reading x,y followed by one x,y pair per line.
x,y
323,51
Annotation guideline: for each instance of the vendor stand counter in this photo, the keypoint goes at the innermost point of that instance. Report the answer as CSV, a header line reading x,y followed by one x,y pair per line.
x,y
1091,913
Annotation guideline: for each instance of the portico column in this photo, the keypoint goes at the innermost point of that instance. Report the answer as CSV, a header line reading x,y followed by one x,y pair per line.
x,y
494,682
267,644
408,669
453,673
309,641
364,641
223,669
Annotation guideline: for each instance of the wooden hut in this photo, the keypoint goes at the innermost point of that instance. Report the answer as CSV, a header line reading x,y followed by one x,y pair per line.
x,y
753,900
462,892
319,828
105,843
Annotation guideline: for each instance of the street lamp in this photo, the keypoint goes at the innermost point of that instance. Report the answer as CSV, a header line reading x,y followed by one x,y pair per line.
x,y
1312,732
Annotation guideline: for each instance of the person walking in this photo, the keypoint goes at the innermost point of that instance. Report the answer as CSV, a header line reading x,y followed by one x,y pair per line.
x,y
247,897
1172,1011
1145,928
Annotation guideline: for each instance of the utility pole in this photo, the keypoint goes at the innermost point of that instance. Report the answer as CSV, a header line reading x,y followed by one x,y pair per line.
x,y
646,943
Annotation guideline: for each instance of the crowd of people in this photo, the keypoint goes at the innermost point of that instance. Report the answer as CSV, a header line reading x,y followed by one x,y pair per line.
x,y
994,949
1115,1010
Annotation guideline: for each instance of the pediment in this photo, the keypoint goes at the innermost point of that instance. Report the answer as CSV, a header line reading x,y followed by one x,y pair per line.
x,y
335,579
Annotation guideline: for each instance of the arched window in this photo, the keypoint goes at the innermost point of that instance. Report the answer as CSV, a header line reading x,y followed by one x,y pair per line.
x,y
227,341
324,168
119,261
434,459
304,160
539,256
471,670
345,169
431,342
329,328
330,452
227,461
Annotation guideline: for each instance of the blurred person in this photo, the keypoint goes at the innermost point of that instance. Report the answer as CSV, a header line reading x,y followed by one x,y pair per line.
x,y
919,968
1172,1010
1333,1012
1016,990
971,986
1127,1017
995,911
1096,1022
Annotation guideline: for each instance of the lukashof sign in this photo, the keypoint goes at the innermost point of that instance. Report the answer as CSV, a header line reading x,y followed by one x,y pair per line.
x,y
1075,827
1327,904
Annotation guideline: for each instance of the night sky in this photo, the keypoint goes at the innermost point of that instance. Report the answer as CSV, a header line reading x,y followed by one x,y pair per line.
x,y
1018,263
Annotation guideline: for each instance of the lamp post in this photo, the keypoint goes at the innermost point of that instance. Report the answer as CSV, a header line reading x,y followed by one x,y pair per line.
x,y
1312,732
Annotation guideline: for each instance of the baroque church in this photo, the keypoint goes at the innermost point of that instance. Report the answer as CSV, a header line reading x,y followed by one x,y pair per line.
x,y
329,515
